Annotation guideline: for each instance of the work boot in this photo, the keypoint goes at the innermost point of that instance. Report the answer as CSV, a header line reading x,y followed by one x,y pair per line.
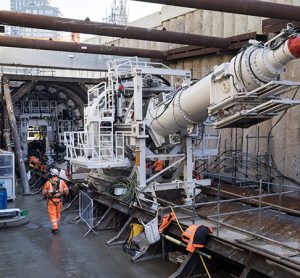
x,y
54,231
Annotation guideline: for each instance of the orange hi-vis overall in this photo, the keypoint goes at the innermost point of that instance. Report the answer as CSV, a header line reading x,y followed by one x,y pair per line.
x,y
196,236
34,162
54,190
166,221
158,166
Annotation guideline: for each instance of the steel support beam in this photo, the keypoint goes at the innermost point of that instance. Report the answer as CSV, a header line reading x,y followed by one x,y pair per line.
x,y
276,25
246,7
79,47
106,29
58,63
56,79
14,129
236,43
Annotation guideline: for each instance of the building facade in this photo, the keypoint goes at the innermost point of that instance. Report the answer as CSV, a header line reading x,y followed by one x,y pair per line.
x,y
42,7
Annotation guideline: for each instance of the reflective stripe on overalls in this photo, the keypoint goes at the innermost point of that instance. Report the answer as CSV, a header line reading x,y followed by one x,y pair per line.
x,y
51,190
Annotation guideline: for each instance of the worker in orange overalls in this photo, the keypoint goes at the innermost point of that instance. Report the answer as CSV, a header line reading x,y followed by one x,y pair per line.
x,y
43,164
157,166
54,190
34,162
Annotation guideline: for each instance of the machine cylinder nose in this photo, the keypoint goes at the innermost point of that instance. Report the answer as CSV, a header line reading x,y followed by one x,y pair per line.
x,y
294,46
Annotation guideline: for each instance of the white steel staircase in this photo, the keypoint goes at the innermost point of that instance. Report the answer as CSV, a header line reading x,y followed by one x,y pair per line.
x,y
98,146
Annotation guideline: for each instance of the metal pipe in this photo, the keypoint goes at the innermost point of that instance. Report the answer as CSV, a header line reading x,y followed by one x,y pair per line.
x,y
215,175
218,206
235,199
246,7
259,201
79,47
180,243
238,212
106,29
289,265
193,104
14,129
256,235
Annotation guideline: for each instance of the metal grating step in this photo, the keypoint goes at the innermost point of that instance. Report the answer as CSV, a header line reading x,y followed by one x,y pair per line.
x,y
274,89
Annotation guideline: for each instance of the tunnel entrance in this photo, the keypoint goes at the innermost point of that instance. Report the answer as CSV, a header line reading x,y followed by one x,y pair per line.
x,y
43,115
37,140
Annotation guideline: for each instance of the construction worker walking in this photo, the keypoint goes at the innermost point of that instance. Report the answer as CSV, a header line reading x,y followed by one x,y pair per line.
x,y
55,190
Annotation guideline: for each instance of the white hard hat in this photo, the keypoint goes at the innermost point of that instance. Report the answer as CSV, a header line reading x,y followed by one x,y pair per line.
x,y
54,172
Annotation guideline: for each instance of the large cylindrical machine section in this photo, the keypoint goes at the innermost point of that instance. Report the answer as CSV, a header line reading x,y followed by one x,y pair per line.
x,y
251,68
258,64
187,107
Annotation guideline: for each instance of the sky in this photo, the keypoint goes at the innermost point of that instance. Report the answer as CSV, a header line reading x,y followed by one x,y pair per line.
x,y
95,9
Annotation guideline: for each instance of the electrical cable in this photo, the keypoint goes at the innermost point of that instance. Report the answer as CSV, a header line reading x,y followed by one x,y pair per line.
x,y
166,107
170,101
174,115
204,265
269,134
179,225
235,58
240,68
233,83
252,71
234,68
276,45
186,113
284,112
129,187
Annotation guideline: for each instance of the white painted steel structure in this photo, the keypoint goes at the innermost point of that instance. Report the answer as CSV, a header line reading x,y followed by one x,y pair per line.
x,y
92,149
139,114
98,146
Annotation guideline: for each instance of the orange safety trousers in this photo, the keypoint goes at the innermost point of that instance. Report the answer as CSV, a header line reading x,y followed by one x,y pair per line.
x,y
54,203
54,209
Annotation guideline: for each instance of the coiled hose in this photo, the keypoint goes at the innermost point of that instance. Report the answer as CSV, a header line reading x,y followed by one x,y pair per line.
x,y
129,187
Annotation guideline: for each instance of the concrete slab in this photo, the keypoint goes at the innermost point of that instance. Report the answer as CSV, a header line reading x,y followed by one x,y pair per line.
x,y
33,251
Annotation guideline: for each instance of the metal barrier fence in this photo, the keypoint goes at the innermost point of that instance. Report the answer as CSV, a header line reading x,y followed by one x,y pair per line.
x,y
86,211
